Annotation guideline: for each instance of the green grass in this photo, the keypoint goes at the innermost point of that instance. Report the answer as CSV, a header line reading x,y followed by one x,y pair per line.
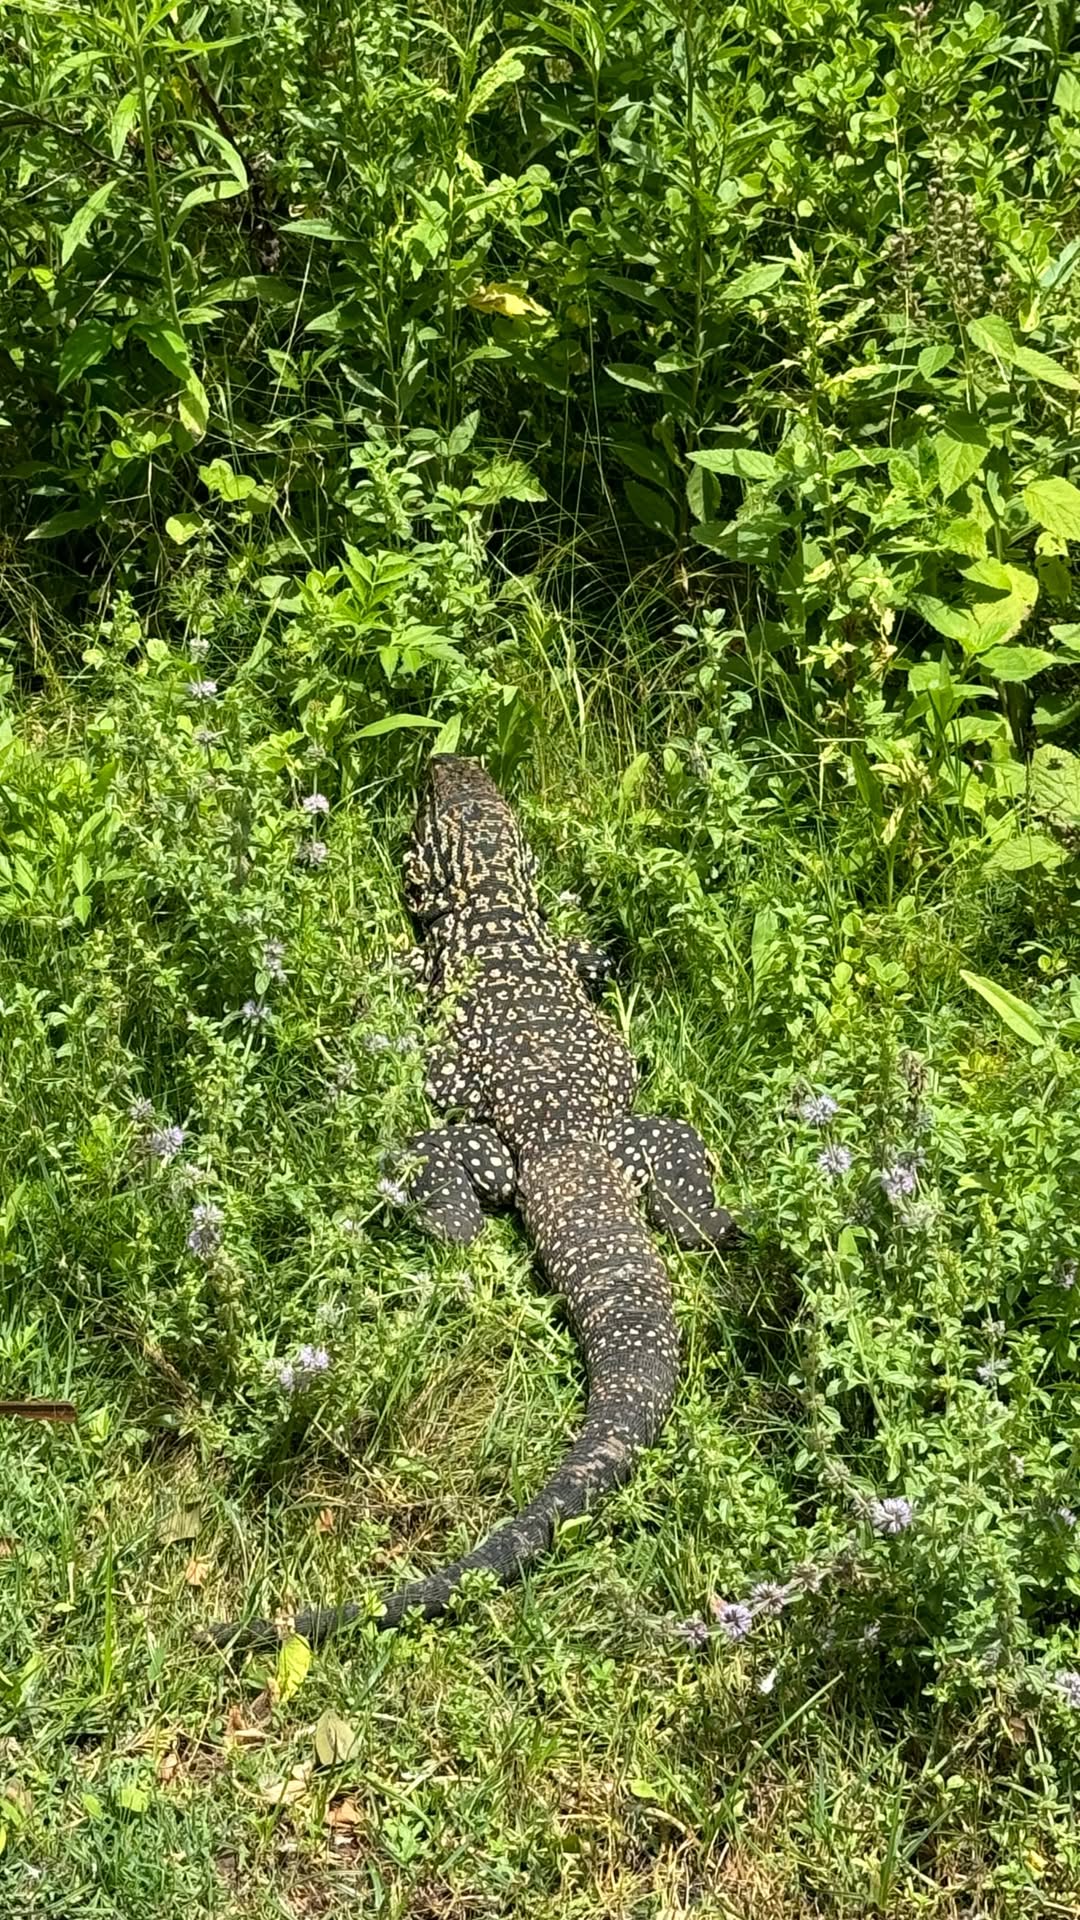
x,y
676,407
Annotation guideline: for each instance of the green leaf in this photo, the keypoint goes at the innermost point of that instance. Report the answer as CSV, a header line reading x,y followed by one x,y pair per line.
x,y
83,348
1023,851
1055,782
953,622
745,463
753,281
182,527
194,407
654,510
993,335
642,379
1015,665
503,72
167,346
1055,505
1015,1013
1039,366
77,231
335,1741
446,740
219,478
1067,93
132,1798
315,229
292,1666
66,521
505,479
391,722
765,946
932,359
961,448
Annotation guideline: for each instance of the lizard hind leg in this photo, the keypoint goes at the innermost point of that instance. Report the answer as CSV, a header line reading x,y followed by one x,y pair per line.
x,y
667,1159
459,1168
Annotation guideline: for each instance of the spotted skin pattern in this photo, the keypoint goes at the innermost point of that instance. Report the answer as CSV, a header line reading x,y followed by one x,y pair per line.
x,y
539,1086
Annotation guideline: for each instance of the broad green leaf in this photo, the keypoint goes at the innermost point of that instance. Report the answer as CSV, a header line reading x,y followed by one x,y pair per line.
x,y
993,335
446,740
976,728
78,228
654,510
84,348
314,229
745,463
124,116
1023,851
512,302
1055,782
291,1671
505,479
961,447
953,622
1016,664
932,359
503,72
753,281
392,722
1015,1013
1039,366
1067,93
194,407
66,521
765,945
168,346
1055,505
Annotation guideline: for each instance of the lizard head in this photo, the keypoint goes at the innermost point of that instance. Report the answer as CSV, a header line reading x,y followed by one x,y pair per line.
x,y
466,850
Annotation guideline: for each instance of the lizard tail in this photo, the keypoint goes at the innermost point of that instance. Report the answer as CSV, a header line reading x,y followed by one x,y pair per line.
x,y
594,1247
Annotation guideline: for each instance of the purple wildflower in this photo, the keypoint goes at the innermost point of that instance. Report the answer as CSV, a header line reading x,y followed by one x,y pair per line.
x,y
770,1598
273,959
164,1143
393,1191
312,1359
898,1181
254,1012
891,1516
140,1111
692,1633
198,647
406,1043
207,737
377,1042
286,1376
314,803
988,1373
808,1576
733,1619
818,1109
312,853
1066,1516
1067,1275
206,1224
1067,1683
834,1161
569,899
203,689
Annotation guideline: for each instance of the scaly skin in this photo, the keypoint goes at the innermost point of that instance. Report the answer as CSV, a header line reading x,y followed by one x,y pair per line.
x,y
544,1087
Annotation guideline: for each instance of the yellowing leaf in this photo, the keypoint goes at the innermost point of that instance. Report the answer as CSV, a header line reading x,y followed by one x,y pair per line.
x,y
1055,504
498,297
335,1741
292,1667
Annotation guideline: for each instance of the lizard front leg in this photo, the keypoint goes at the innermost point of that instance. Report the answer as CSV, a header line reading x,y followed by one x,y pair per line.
x,y
667,1158
459,1168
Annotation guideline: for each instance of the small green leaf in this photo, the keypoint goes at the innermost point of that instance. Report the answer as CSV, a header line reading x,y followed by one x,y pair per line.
x,y
132,1798
66,521
953,622
654,510
194,407
1039,366
932,359
78,228
1015,1013
753,281
291,1671
182,527
993,335
641,379
218,477
744,463
168,346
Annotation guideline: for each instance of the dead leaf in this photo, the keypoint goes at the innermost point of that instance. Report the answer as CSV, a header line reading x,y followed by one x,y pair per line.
x,y
246,1726
196,1571
343,1813
184,1524
326,1521
285,1793
335,1741
168,1767
7,1546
